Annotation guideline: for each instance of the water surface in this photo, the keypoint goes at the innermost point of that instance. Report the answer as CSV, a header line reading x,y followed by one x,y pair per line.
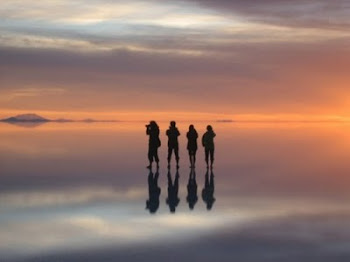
x,y
78,192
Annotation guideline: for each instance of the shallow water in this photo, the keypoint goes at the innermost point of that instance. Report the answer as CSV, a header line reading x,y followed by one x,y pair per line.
x,y
78,192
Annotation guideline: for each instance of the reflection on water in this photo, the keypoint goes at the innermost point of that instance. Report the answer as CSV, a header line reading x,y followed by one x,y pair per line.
x,y
152,204
173,190
208,190
192,197
282,193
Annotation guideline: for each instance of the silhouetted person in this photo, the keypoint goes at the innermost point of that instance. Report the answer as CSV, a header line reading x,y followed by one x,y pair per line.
x,y
192,136
152,130
173,189
208,190
208,143
192,197
173,144
152,204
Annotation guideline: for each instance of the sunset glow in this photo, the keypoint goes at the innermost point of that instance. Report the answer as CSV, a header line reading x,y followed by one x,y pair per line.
x,y
137,59
174,130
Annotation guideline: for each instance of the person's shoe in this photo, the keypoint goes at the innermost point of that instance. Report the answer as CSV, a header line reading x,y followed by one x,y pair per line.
x,y
168,166
149,167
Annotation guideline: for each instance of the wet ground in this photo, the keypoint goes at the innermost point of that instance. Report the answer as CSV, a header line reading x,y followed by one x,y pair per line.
x,y
81,192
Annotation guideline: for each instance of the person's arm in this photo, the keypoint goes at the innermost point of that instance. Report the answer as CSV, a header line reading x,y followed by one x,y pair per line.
x,y
203,140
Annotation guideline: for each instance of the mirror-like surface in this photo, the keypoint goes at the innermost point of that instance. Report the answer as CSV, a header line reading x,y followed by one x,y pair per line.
x,y
81,192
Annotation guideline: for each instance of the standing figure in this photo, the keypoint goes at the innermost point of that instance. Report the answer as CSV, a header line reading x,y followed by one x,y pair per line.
x,y
208,190
152,204
208,143
152,130
192,136
192,189
173,190
173,144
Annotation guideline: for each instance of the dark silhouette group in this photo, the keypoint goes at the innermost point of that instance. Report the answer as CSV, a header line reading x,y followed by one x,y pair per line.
x,y
173,200
152,130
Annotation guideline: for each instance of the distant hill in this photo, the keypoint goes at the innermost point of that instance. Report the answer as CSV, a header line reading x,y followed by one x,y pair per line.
x,y
26,118
34,118
225,121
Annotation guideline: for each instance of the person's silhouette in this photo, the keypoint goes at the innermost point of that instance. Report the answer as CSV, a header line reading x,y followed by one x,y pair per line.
x,y
192,136
192,189
208,144
152,130
173,189
208,190
173,144
152,204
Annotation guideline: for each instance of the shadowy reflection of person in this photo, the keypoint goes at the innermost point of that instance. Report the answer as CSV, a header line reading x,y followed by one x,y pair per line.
x,y
208,190
208,143
173,189
192,189
152,130
152,204
192,136
173,144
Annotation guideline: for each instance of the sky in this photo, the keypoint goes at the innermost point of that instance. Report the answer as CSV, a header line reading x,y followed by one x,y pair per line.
x,y
186,59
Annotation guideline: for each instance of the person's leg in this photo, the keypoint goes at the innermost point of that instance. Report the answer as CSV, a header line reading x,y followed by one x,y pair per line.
x,y
150,157
155,154
170,152
194,157
176,150
212,157
207,156
190,157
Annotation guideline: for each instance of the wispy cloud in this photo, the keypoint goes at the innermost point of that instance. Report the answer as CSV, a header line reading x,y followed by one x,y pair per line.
x,y
271,55
31,92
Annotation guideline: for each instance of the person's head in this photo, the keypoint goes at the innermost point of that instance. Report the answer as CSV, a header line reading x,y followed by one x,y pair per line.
x,y
209,128
172,124
153,123
191,128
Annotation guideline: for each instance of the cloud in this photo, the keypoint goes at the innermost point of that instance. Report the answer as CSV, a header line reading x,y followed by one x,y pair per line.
x,y
242,74
302,237
304,13
239,55
67,196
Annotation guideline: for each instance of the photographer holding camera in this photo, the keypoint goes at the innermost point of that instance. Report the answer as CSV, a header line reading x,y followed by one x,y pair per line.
x,y
152,130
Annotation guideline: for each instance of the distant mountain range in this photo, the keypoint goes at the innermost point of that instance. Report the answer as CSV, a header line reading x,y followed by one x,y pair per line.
x,y
34,118
26,118
225,121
